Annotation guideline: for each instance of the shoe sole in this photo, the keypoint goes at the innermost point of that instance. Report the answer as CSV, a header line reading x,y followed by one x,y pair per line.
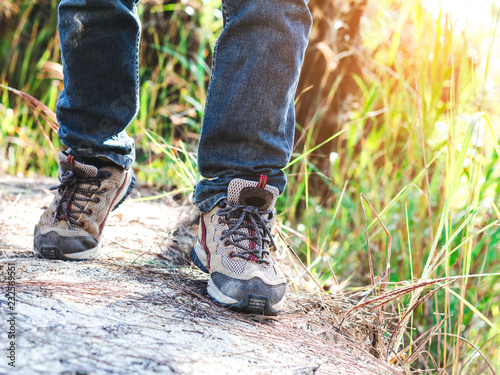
x,y
48,252
54,253
249,304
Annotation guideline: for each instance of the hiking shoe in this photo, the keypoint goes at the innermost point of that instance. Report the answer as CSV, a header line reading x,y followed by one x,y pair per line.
x,y
71,228
233,246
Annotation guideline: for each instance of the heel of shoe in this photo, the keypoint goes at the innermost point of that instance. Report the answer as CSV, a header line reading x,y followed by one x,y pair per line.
x,y
196,260
127,193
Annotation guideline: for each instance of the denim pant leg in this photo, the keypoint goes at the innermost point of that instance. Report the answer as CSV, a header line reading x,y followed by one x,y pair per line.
x,y
100,54
249,120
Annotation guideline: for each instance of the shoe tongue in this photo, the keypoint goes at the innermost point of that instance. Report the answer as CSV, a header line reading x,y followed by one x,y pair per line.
x,y
68,162
252,193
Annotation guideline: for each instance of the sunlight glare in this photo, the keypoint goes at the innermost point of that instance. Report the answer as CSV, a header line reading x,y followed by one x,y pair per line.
x,y
463,12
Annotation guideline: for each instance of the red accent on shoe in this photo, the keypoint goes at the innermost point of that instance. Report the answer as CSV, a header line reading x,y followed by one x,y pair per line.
x,y
262,181
101,227
251,245
204,241
70,160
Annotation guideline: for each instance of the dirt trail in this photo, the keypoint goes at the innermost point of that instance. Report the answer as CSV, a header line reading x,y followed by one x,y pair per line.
x,y
142,309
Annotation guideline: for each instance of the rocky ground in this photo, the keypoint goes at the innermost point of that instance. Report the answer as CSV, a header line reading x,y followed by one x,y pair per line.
x,y
142,307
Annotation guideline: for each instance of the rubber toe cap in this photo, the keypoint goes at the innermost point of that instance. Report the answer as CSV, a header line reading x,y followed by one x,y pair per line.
x,y
66,245
237,289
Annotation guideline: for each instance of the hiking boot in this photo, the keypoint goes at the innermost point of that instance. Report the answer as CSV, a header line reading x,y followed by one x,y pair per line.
x,y
71,228
233,246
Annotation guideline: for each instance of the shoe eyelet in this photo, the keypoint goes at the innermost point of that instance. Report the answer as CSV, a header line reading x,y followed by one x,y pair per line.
x,y
231,254
227,243
89,212
220,221
97,200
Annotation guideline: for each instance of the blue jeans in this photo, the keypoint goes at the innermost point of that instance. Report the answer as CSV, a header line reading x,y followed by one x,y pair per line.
x,y
249,118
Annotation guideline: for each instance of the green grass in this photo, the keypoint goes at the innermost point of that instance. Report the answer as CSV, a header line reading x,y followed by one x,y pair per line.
x,y
413,140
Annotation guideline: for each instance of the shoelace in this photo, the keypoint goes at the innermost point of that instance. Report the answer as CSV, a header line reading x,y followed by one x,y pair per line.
x,y
253,221
72,195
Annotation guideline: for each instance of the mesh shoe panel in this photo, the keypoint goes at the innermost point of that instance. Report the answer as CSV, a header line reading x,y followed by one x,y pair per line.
x,y
234,265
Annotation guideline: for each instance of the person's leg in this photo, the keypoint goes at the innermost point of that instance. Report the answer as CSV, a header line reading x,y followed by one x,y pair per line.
x,y
249,118
100,54
246,140
100,46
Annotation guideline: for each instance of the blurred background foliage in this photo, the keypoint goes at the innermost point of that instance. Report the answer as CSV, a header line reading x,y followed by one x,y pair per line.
x,y
386,88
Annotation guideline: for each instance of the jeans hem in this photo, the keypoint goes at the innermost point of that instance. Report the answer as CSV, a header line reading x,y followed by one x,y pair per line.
x,y
207,205
123,161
